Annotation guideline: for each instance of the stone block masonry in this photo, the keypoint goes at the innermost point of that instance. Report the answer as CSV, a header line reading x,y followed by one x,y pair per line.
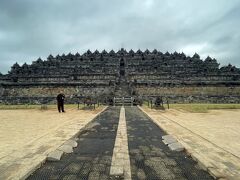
x,y
139,74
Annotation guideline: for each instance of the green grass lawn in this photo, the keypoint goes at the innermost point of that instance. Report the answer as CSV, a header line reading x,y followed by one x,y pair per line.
x,y
201,108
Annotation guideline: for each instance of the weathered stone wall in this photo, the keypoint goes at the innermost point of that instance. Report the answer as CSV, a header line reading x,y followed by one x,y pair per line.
x,y
47,94
1,91
190,91
79,78
176,76
205,94
163,78
53,91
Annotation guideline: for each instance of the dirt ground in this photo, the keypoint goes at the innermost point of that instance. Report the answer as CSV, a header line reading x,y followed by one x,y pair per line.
x,y
25,134
212,137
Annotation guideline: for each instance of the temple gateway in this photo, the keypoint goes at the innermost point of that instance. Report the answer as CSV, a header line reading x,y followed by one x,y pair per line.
x,y
103,75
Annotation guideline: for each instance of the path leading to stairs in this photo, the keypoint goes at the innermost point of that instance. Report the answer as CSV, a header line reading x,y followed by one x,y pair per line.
x,y
91,159
27,136
150,158
102,145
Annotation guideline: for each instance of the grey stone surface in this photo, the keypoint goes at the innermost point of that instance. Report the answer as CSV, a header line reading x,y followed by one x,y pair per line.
x,y
71,142
55,155
105,74
169,141
176,147
66,148
167,136
152,157
117,170
92,157
92,125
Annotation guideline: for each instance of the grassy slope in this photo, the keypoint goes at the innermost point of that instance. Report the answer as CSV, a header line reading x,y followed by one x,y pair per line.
x,y
200,108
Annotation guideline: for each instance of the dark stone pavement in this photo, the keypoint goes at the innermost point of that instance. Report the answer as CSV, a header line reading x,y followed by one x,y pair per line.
x,y
150,158
92,157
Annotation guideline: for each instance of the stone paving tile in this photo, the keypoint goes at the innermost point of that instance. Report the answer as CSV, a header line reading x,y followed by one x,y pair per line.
x,y
28,136
92,158
150,157
55,155
214,146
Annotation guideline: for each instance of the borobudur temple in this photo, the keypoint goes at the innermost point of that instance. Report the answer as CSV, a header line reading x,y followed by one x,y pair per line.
x,y
141,74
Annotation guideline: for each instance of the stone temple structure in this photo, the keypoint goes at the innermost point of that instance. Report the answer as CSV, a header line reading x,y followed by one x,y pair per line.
x,y
141,74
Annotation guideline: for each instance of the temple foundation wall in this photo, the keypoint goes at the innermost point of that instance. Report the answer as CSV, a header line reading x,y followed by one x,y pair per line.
x,y
47,94
206,94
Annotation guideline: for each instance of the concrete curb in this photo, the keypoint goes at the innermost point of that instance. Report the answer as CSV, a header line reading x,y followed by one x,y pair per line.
x,y
73,138
211,170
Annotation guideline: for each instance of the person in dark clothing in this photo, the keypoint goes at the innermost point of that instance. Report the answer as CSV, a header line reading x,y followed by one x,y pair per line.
x,y
60,102
159,102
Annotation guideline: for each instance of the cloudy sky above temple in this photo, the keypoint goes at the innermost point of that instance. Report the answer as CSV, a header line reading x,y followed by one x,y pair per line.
x,y
30,29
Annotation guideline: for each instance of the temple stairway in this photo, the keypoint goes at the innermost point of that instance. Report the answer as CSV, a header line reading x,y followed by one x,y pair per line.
x,y
122,90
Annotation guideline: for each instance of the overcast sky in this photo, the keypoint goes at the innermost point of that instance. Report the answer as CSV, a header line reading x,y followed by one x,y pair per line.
x,y
36,28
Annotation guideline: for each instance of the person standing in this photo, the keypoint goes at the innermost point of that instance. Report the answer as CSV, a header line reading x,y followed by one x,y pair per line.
x,y
60,102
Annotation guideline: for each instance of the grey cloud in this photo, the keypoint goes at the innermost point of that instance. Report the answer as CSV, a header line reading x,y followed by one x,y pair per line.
x,y
30,29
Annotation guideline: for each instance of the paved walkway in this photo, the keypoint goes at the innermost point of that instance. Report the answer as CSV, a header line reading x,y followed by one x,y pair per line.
x,y
91,159
27,136
211,138
149,157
